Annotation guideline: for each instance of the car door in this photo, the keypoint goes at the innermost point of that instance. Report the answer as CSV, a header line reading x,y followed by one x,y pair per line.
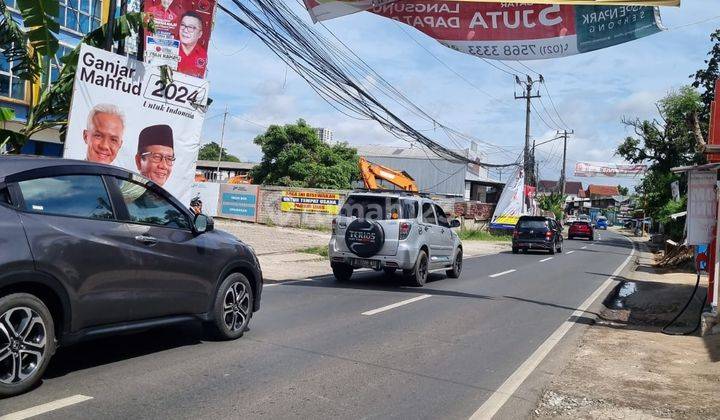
x,y
176,272
431,231
75,237
445,234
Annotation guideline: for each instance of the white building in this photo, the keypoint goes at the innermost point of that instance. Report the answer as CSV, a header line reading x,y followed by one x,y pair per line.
x,y
324,134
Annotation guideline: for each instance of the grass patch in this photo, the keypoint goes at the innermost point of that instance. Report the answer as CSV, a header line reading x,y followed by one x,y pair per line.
x,y
318,250
482,235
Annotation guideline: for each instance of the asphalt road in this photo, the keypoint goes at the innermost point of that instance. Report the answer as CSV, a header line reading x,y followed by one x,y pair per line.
x,y
313,353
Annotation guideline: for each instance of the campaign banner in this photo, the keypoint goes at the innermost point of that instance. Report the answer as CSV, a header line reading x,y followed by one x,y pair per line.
x,y
329,9
124,113
521,31
239,201
511,204
592,169
189,22
310,202
162,52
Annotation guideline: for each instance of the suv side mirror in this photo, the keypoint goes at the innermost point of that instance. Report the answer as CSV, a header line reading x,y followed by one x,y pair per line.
x,y
454,223
203,223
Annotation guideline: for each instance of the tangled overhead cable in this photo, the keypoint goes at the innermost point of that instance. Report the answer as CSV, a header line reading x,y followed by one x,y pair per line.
x,y
335,73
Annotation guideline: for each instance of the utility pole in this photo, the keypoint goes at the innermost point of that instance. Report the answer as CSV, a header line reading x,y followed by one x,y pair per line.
x,y
564,134
222,142
527,95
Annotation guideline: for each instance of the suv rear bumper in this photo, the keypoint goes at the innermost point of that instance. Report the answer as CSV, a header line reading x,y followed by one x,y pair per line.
x,y
404,258
532,244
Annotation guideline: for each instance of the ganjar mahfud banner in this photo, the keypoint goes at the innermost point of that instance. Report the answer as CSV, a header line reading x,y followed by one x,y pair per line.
x,y
516,31
124,113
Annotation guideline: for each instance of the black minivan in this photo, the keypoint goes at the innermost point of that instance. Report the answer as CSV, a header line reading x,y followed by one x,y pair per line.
x,y
537,232
89,249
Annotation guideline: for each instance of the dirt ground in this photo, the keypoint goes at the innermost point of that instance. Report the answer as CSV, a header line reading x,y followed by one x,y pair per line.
x,y
624,367
277,249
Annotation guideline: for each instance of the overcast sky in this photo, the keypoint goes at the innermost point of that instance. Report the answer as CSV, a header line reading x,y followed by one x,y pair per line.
x,y
592,91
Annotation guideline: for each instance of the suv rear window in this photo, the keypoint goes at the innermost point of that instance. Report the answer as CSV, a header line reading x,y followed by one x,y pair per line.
x,y
532,223
581,223
371,207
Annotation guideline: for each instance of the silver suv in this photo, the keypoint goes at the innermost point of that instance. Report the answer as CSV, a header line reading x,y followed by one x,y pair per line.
x,y
394,231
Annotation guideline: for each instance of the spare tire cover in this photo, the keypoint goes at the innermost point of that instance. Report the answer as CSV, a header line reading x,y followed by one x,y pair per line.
x,y
364,238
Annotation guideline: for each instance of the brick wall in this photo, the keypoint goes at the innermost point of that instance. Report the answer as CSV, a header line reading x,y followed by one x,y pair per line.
x,y
474,210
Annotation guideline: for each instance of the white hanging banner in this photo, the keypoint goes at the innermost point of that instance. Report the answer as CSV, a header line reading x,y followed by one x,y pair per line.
x,y
615,170
701,208
511,204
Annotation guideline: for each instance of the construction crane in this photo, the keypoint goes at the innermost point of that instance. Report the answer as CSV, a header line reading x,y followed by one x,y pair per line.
x,y
371,172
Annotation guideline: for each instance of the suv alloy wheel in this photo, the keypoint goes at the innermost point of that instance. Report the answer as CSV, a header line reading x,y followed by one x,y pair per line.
x,y
233,307
457,265
419,273
27,342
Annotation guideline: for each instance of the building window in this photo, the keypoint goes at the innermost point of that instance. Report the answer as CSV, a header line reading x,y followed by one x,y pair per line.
x,y
80,15
11,86
54,71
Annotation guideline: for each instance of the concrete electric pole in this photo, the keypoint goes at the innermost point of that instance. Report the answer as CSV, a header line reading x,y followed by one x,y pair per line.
x,y
527,95
564,134
222,142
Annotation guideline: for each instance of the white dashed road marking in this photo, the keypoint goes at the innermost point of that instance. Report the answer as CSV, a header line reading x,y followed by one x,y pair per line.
x,y
395,305
502,273
498,398
546,259
45,408
569,252
585,247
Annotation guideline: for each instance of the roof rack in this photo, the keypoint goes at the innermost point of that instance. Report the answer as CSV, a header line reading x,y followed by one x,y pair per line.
x,y
384,190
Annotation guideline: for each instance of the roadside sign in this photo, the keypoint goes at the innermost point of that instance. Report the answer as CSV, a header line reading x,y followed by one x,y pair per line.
x,y
239,201
162,51
701,207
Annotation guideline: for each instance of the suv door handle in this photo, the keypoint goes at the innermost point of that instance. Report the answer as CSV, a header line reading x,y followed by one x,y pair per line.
x,y
147,240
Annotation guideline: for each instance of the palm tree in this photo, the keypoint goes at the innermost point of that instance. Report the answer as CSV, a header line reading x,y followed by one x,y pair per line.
x,y
31,50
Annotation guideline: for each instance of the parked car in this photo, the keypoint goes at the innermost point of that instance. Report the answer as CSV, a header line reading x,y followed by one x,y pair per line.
x,y
394,231
91,249
581,229
601,223
537,232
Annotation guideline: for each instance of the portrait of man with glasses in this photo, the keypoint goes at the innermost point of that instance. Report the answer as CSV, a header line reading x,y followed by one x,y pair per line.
x,y
155,154
193,57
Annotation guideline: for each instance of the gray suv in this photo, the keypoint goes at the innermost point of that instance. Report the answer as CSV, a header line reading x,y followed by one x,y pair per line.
x,y
392,231
88,250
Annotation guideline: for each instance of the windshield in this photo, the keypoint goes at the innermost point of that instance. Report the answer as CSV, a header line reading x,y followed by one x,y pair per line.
x,y
532,224
371,207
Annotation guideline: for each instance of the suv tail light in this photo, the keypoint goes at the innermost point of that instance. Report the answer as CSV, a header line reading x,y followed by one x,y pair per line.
x,y
516,234
405,230
548,234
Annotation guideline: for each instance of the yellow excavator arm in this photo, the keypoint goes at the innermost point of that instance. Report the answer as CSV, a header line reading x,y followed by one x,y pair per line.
x,y
371,172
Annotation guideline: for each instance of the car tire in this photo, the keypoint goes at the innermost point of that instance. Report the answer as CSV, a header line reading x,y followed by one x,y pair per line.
x,y
570,238
552,248
559,249
514,250
389,271
35,342
233,308
419,273
341,271
456,269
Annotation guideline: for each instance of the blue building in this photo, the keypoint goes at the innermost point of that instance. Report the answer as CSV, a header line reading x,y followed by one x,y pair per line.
x,y
76,18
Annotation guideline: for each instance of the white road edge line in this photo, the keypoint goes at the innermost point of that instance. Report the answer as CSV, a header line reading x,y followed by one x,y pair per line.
x,y
502,273
546,259
395,305
569,252
45,408
498,398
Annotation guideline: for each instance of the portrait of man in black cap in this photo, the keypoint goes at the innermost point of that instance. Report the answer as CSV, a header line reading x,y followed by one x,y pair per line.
x,y
155,155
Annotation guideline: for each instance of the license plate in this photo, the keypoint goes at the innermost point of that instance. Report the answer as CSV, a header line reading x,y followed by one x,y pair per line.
x,y
374,264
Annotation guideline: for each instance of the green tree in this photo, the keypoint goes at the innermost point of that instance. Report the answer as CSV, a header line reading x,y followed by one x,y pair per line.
x,y
30,53
294,156
663,145
704,79
554,203
623,190
211,151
